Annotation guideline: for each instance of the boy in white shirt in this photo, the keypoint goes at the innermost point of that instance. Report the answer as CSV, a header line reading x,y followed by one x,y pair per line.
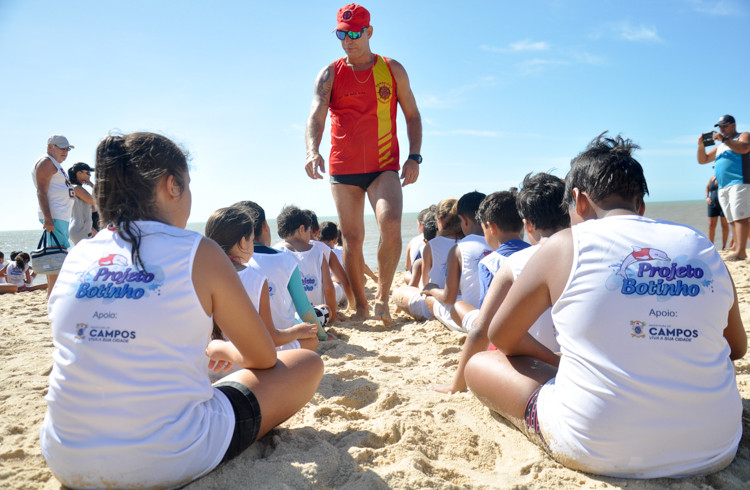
x,y
295,228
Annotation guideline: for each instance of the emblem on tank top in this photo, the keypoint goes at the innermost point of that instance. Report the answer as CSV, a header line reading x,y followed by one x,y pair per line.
x,y
639,255
384,92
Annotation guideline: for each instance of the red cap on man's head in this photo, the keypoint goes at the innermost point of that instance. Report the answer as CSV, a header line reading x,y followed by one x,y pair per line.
x,y
353,18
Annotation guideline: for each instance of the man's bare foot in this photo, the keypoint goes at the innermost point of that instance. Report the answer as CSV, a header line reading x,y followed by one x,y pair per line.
x,y
362,313
382,313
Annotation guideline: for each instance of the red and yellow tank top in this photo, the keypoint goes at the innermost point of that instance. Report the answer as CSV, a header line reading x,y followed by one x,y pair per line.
x,y
363,119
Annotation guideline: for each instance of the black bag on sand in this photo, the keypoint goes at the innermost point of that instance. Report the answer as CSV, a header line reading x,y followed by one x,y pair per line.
x,y
48,259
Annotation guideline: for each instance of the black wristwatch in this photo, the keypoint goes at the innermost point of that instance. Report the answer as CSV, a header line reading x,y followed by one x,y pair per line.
x,y
416,157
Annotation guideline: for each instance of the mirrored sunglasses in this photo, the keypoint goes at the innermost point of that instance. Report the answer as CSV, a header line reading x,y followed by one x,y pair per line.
x,y
352,35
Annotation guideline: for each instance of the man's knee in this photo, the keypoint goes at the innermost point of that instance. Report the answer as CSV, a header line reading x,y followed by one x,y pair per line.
x,y
353,238
390,227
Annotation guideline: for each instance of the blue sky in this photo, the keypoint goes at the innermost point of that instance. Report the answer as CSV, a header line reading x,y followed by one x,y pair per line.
x,y
504,88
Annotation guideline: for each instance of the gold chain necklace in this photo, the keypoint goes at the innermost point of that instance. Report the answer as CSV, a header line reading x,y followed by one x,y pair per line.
x,y
368,75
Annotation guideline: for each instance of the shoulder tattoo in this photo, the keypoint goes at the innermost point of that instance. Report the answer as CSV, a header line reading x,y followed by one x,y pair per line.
x,y
324,83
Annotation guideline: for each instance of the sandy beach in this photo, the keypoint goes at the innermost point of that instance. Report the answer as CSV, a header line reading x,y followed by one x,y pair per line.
x,y
374,422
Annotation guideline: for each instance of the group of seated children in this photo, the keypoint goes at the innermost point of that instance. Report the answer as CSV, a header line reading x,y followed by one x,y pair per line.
x,y
298,285
17,275
565,342
474,235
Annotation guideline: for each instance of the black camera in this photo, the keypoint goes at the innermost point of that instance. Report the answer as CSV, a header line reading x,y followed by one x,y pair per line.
x,y
708,138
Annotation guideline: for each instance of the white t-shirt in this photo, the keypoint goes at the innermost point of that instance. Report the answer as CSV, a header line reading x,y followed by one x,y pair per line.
x,y
645,386
339,251
310,264
16,276
473,249
254,281
415,246
439,247
278,269
323,248
129,402
543,329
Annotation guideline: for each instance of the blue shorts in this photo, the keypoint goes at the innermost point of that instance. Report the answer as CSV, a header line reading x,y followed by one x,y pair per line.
x,y
246,417
61,232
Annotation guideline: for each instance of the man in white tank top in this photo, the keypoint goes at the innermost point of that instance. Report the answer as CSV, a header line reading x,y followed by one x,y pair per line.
x,y
648,325
54,193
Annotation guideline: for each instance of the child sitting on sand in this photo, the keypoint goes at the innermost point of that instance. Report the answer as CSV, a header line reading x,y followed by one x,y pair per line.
x,y
648,324
414,249
462,282
289,303
17,275
129,404
540,203
502,227
294,227
232,228
434,260
344,294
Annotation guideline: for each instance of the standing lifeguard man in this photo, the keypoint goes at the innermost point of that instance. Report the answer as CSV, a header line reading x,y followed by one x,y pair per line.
x,y
362,91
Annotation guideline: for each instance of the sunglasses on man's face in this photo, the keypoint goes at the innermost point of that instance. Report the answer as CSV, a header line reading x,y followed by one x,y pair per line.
x,y
352,35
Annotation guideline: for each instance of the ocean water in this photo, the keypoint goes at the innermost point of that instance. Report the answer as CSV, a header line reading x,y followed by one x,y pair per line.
x,y
691,213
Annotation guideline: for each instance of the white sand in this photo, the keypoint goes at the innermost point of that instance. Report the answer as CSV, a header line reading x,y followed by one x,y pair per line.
x,y
373,423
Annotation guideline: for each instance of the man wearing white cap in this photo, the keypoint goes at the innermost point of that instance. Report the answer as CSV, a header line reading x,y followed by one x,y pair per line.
x,y
362,91
54,193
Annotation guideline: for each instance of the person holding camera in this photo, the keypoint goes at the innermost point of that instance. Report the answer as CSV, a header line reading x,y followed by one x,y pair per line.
x,y
733,176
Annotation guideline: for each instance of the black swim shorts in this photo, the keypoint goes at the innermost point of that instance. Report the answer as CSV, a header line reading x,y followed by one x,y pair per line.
x,y
360,180
246,417
714,209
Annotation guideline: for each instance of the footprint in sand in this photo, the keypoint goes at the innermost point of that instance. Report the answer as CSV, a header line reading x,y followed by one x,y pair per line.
x,y
389,359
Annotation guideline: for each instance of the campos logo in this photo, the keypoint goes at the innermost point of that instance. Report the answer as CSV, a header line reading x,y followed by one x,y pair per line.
x,y
639,329
80,332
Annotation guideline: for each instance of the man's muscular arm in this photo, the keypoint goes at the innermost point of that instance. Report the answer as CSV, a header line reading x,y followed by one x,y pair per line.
x,y
43,175
408,103
314,163
740,145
